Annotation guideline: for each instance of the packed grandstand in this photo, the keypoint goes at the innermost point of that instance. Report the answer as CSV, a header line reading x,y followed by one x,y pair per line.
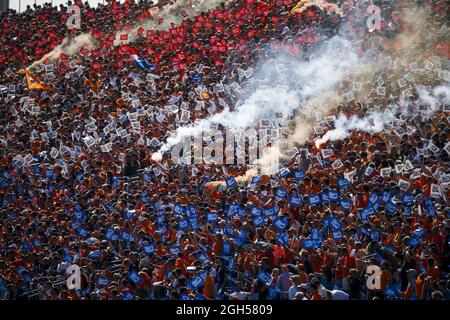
x,y
355,92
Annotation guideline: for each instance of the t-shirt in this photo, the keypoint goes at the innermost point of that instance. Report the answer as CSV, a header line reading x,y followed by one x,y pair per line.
x,y
292,292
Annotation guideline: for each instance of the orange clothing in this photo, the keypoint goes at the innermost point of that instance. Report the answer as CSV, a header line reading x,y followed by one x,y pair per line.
x,y
209,289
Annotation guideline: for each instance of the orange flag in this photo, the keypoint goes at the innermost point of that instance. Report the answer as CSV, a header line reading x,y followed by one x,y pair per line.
x,y
33,82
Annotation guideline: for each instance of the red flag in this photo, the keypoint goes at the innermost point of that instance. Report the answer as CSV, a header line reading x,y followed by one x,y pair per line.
x,y
98,34
124,37
123,49
96,65
140,31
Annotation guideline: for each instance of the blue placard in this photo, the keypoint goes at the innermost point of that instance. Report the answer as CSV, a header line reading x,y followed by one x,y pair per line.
x,y
212,217
366,212
407,211
373,198
283,238
255,211
298,174
385,196
191,211
94,255
258,220
174,250
333,195
284,172
255,179
232,209
315,234
280,193
346,204
79,215
129,214
160,218
363,230
83,232
269,212
147,178
342,183
280,224
127,296
391,207
376,205
26,246
414,241
238,241
195,283
307,244
134,277
407,199
102,281
264,277
183,224
324,196
178,209
193,222
374,235
197,78
231,182
313,199
334,223
228,231
337,234
149,248
295,200
126,236
226,248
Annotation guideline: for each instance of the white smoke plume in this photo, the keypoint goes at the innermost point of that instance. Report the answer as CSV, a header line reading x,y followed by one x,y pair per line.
x,y
376,121
68,47
285,91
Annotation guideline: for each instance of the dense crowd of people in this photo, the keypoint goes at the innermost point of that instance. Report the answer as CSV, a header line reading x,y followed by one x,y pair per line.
x,y
79,187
